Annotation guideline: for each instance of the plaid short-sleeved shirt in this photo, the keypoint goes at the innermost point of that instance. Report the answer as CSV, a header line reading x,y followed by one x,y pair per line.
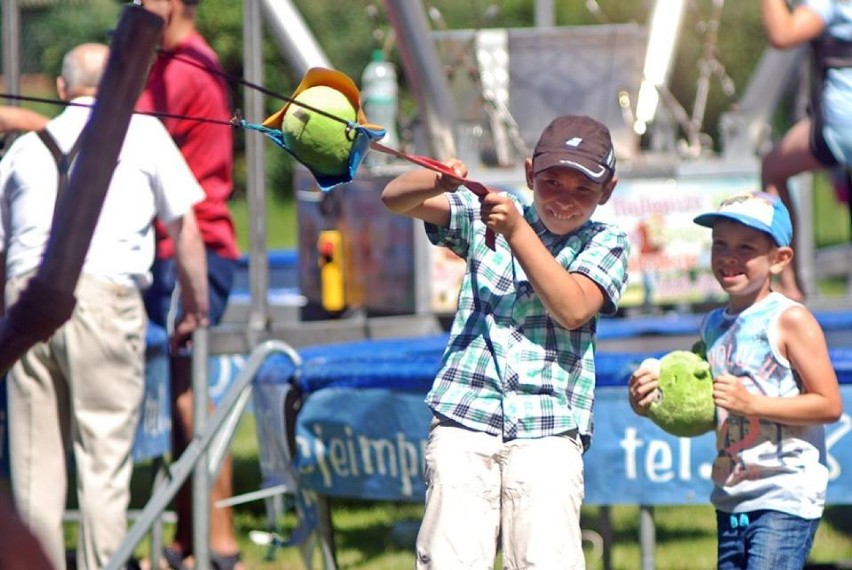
x,y
509,369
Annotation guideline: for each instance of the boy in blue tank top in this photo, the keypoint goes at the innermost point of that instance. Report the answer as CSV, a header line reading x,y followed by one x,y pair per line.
x,y
774,388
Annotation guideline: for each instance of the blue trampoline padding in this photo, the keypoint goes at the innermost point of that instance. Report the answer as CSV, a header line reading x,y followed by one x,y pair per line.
x,y
404,364
690,323
279,258
410,365
614,327
834,320
282,296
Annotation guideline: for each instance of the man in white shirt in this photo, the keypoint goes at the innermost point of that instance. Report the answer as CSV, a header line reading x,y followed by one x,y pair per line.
x,y
80,390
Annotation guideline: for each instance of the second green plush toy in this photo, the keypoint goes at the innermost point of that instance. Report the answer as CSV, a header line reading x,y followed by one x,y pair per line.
x,y
684,405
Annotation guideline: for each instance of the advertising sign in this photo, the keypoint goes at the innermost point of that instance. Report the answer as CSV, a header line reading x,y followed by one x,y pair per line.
x,y
369,444
670,256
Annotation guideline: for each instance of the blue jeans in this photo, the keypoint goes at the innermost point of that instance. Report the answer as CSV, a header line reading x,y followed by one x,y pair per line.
x,y
764,540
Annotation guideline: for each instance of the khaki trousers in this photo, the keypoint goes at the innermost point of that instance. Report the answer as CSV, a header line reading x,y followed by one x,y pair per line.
x,y
481,491
76,397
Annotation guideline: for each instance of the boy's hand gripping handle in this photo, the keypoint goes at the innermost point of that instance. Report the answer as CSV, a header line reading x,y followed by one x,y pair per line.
x,y
476,187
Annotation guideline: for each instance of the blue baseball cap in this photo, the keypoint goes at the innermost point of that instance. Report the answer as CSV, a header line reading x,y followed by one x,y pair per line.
x,y
758,210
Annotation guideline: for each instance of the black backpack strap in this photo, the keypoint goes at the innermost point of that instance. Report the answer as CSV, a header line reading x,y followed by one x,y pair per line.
x,y
63,161
826,53
831,52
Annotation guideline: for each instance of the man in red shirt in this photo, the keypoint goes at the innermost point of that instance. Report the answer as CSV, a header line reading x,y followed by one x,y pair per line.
x,y
181,84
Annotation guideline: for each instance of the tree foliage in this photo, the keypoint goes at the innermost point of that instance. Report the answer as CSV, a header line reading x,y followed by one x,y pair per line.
x,y
50,32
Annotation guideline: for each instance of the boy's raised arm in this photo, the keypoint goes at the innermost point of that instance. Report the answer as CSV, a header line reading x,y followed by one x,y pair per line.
x,y
419,193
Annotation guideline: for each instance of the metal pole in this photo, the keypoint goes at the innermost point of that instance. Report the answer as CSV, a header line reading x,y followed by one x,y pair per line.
x,y
544,14
190,459
201,476
293,35
11,29
255,175
746,128
647,536
607,534
801,188
425,74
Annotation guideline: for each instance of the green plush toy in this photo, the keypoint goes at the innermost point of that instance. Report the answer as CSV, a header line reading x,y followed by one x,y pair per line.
x,y
684,406
321,143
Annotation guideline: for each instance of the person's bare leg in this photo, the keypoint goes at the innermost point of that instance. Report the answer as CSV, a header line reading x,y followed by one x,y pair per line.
x,y
222,538
223,541
181,436
791,156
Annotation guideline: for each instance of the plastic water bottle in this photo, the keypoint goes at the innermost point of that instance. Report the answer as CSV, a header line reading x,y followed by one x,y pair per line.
x,y
380,99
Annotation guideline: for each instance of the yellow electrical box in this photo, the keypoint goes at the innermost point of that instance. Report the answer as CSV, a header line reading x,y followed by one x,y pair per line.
x,y
330,252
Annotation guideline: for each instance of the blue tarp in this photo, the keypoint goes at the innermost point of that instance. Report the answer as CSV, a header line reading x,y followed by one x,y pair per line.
x,y
410,364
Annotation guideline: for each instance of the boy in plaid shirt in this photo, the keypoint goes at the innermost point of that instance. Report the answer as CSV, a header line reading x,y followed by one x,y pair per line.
x,y
513,397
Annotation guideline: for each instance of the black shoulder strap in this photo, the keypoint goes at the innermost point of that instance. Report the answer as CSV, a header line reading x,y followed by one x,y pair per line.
x,y
826,53
831,52
63,161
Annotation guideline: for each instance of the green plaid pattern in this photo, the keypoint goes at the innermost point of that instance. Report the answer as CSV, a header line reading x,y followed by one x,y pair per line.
x,y
509,369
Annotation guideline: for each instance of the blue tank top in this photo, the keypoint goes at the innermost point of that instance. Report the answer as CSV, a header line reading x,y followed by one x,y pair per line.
x,y
761,464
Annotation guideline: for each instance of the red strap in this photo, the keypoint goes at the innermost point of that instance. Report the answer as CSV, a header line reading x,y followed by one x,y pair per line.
x,y
476,187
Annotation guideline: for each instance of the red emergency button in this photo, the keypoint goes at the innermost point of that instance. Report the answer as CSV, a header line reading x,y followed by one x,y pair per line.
x,y
326,249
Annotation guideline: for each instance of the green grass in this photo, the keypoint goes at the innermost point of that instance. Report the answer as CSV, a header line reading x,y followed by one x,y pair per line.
x,y
380,535
281,225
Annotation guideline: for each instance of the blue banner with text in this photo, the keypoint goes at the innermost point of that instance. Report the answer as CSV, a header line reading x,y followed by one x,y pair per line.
x,y
369,444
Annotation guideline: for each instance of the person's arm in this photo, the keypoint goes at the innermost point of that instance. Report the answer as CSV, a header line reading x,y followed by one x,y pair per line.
x,y
419,193
785,28
191,261
18,119
801,339
570,298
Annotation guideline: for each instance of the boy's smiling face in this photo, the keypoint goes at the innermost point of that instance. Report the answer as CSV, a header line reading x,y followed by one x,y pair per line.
x,y
744,260
564,198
